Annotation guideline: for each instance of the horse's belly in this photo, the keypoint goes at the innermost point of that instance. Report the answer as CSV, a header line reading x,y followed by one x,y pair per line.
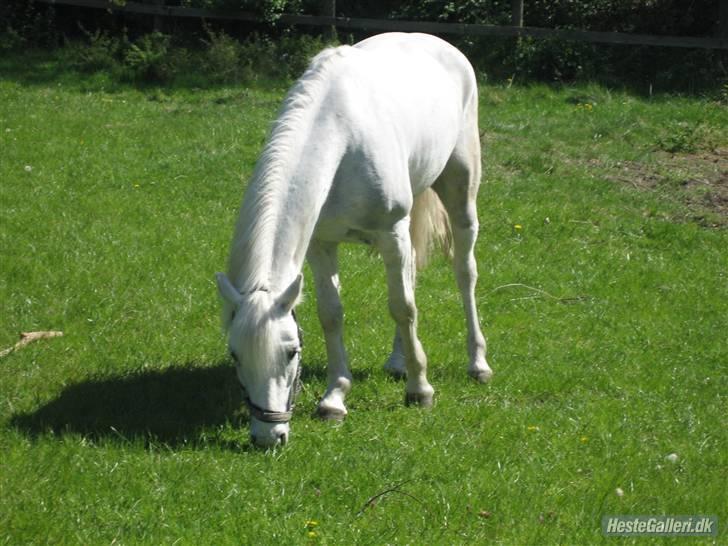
x,y
339,232
352,219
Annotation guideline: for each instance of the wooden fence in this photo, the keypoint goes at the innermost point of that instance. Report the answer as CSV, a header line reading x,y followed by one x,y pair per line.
x,y
462,29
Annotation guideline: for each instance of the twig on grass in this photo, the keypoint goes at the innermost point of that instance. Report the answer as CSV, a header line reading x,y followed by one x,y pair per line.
x,y
571,299
27,338
394,489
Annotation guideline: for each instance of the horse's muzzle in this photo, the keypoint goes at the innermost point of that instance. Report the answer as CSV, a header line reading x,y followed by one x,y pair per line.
x,y
264,434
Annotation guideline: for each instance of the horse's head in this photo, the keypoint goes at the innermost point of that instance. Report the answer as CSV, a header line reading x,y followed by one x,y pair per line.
x,y
265,342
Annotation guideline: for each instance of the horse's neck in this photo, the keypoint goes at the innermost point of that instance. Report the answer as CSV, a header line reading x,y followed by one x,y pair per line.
x,y
281,208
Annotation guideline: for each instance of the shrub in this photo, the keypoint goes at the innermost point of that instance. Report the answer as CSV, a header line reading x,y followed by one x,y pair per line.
x,y
10,39
295,53
552,59
679,137
100,51
24,23
222,56
269,10
151,58
468,11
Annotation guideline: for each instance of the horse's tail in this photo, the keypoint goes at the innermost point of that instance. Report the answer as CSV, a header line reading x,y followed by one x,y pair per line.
x,y
429,227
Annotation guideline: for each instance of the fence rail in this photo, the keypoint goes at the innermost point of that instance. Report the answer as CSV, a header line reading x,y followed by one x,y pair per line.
x,y
461,29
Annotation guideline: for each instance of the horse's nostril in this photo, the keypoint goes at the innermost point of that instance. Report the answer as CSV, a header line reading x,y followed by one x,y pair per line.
x,y
277,438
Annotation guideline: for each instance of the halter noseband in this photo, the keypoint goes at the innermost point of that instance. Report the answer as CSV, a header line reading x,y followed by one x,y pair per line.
x,y
269,416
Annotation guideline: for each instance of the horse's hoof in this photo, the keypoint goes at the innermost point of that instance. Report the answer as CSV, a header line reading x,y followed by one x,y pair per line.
x,y
330,414
481,376
422,399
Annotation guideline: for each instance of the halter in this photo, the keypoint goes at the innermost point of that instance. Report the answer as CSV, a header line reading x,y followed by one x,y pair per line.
x,y
269,416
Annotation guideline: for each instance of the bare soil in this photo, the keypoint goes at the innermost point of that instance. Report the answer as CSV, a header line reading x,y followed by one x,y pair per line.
x,y
699,180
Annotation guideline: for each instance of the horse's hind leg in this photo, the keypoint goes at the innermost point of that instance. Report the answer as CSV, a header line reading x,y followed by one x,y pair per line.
x,y
323,260
399,260
457,187
394,365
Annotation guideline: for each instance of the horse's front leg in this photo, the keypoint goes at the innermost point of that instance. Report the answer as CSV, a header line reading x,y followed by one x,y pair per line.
x,y
399,260
323,260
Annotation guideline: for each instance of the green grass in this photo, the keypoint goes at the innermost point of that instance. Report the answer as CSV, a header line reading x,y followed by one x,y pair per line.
x,y
605,304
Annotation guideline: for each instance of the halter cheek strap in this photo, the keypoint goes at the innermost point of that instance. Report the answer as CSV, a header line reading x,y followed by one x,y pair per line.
x,y
269,416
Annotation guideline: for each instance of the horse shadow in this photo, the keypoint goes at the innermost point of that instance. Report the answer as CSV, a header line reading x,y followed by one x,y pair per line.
x,y
174,406
180,405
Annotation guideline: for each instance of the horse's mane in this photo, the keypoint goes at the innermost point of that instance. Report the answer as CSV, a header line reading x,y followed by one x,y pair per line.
x,y
256,331
267,188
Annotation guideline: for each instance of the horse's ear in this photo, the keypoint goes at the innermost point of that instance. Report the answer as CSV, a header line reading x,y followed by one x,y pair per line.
x,y
227,290
291,296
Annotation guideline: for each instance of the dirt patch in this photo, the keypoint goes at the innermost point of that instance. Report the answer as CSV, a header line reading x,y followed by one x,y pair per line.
x,y
698,180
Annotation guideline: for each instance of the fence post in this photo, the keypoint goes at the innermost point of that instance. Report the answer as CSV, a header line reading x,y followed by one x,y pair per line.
x,y
158,20
328,9
517,13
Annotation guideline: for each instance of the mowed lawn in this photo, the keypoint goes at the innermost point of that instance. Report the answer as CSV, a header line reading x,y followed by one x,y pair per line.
x,y
603,290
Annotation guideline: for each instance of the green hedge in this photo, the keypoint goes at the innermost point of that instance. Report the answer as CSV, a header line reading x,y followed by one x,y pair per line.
x,y
552,59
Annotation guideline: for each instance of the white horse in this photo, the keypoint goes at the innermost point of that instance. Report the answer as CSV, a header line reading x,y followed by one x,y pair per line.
x,y
359,145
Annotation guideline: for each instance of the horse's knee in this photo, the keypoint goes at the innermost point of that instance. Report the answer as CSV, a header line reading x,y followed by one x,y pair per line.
x,y
467,224
402,310
331,315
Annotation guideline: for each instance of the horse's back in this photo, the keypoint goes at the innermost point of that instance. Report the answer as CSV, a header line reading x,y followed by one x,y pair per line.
x,y
406,71
408,48
405,95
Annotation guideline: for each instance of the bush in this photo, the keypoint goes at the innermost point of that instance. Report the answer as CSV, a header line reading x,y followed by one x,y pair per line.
x,y
295,53
225,59
494,12
154,57
10,39
553,59
222,56
151,58
269,10
100,51
26,24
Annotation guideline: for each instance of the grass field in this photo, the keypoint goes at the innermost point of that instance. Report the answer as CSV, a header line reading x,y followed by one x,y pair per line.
x,y
603,291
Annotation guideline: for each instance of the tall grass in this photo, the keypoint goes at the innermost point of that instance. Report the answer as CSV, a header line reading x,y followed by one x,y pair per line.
x,y
604,304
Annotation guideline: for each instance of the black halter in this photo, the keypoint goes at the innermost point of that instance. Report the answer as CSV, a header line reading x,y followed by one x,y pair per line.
x,y
269,416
